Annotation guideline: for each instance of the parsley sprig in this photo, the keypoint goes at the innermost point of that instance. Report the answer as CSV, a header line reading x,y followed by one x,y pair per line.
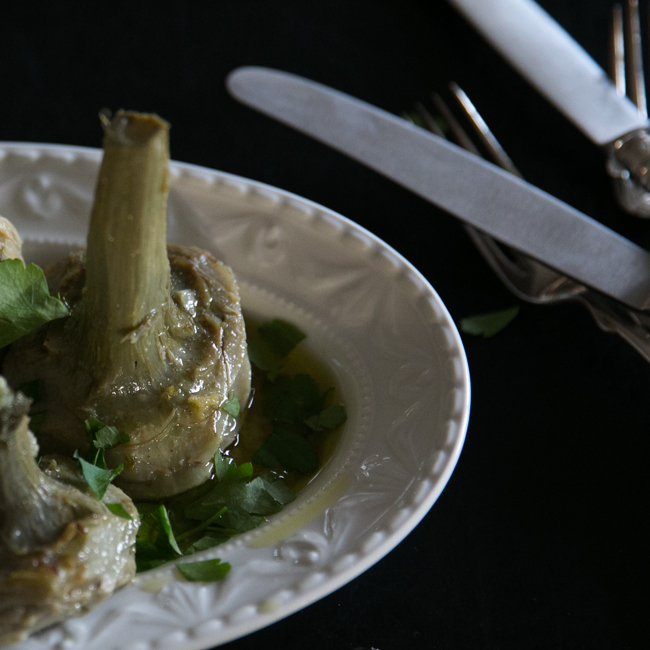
x,y
25,301
295,406
93,465
233,502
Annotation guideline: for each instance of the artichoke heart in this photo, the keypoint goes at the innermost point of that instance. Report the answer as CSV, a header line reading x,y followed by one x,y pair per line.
x,y
62,551
155,344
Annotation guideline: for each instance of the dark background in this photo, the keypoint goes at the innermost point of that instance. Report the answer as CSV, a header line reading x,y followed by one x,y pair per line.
x,y
540,540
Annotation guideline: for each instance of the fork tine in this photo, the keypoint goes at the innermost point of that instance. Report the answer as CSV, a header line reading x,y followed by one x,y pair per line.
x,y
483,132
454,125
637,77
617,51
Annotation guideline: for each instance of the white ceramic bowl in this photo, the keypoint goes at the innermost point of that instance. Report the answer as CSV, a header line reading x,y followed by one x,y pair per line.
x,y
368,314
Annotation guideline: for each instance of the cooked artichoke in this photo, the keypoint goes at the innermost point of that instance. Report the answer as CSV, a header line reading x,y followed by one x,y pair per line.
x,y
62,551
155,344
11,245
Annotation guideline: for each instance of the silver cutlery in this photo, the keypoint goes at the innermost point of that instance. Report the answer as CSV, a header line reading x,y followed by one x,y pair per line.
x,y
525,277
546,55
626,71
523,218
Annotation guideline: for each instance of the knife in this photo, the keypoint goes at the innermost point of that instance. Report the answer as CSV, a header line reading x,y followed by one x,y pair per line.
x,y
481,194
546,55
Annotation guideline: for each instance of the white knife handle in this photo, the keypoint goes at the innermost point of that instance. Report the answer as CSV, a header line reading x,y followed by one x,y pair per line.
x,y
544,54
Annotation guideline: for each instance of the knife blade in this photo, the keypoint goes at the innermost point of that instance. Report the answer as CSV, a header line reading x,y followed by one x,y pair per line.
x,y
481,194
551,60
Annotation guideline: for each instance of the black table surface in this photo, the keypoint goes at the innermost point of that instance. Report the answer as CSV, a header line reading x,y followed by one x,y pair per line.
x,y
540,539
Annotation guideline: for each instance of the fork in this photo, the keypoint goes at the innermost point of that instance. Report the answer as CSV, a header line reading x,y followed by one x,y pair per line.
x,y
525,277
626,65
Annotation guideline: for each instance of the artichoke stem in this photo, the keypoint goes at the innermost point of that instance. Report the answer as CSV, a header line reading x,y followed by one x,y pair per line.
x,y
128,275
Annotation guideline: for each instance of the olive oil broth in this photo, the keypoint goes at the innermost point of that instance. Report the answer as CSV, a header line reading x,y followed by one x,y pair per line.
x,y
256,427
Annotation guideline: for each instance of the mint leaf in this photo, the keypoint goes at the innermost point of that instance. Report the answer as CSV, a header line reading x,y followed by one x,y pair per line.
x,y
25,301
207,571
98,479
231,407
487,325
330,418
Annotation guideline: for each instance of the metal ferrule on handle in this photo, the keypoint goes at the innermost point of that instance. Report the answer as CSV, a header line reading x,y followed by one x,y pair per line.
x,y
628,163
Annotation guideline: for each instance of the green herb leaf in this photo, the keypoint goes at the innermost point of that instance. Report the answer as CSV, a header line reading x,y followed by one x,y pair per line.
x,y
330,418
25,301
161,516
262,357
231,407
119,510
240,521
278,489
207,571
221,465
291,399
92,425
103,436
288,449
487,325
153,546
280,336
236,473
96,457
277,339
109,437
98,479
149,556
246,501
210,540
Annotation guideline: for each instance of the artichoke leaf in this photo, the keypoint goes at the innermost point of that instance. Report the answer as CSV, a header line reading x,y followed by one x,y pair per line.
x,y
62,550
